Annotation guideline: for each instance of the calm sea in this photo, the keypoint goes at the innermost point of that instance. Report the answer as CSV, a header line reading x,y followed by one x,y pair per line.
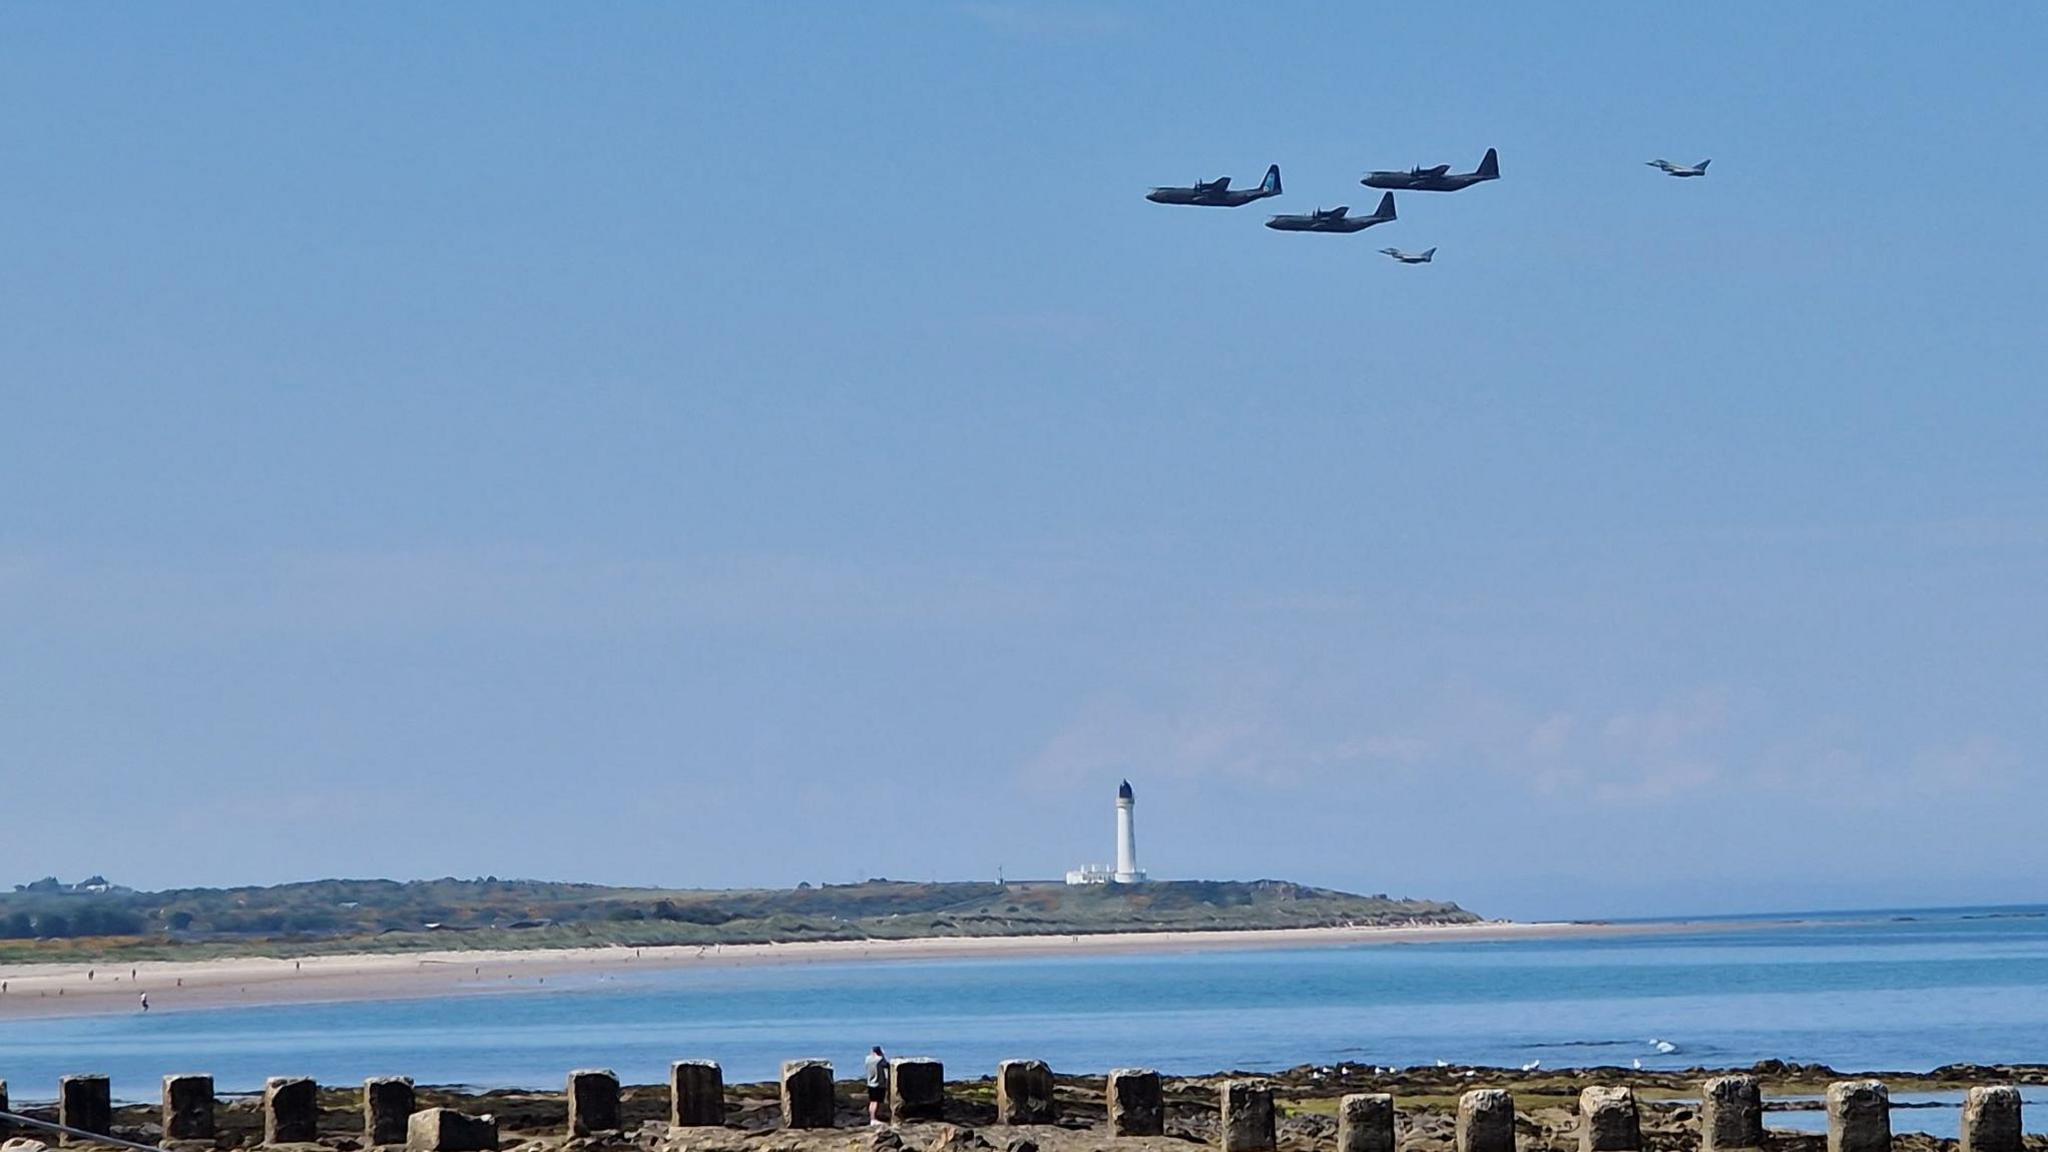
x,y
1901,991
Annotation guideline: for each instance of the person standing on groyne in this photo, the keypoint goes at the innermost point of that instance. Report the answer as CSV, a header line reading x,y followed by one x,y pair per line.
x,y
878,1084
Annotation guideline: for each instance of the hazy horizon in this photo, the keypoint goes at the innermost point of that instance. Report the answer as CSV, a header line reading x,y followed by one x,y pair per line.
x,y
718,446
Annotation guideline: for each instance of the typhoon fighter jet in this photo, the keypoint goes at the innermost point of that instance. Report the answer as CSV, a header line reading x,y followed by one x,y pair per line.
x,y
1422,257
1437,179
1335,219
1670,169
1217,194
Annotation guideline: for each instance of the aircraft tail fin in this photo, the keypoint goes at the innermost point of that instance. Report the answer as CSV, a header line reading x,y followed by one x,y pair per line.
x,y
1271,184
1702,165
1428,254
1489,168
1386,209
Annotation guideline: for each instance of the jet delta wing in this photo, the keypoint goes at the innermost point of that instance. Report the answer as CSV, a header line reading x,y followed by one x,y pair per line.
x,y
1670,169
1216,193
1336,219
1422,257
1437,179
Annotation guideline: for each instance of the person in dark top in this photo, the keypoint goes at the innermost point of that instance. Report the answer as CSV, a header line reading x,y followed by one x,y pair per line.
x,y
878,1084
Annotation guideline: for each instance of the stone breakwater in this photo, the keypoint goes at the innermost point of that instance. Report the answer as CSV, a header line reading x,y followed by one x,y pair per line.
x,y
1024,1107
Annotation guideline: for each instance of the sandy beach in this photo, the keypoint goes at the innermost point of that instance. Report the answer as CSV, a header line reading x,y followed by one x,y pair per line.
x,y
44,990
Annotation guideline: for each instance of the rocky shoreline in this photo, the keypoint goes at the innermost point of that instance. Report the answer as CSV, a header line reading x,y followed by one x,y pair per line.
x,y
1305,1098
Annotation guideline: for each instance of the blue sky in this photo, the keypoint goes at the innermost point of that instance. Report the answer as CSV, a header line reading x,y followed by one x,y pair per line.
x,y
713,445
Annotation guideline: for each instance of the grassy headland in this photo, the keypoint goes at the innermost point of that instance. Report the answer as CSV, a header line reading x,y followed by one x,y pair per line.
x,y
48,921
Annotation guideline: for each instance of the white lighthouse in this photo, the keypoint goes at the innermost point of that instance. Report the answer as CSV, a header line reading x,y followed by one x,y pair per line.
x,y
1126,870
1127,837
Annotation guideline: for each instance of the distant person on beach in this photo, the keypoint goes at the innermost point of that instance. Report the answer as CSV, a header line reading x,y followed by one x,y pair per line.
x,y
878,1085
145,1001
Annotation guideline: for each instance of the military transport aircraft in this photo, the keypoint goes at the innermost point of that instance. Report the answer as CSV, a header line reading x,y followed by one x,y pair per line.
x,y
1670,169
1437,179
1422,257
1217,194
1335,219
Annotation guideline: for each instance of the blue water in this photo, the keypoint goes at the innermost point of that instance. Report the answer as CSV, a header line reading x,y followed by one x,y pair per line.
x,y
1910,1114
1866,994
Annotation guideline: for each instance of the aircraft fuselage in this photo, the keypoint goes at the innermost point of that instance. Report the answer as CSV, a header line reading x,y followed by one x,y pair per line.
x,y
1411,182
1207,198
1324,223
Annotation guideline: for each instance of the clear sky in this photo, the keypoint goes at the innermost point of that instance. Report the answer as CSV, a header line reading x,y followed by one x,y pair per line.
x,y
716,445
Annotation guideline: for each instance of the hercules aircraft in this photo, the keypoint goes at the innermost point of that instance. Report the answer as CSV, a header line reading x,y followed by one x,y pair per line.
x,y
1670,169
1422,257
1335,219
1437,179
1216,193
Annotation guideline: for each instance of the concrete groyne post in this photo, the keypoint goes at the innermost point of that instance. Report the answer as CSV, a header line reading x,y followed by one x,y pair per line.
x,y
1365,1122
1024,1093
1859,1116
917,1089
387,1109
1731,1114
1136,1105
87,1104
446,1130
1608,1120
188,1108
1247,1120
807,1094
1486,1121
696,1094
1992,1120
593,1101
291,1110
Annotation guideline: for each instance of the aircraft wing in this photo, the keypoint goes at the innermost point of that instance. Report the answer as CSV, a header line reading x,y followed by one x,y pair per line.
x,y
1219,184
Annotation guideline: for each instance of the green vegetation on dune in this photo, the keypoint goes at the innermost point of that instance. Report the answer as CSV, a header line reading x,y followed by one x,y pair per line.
x,y
50,921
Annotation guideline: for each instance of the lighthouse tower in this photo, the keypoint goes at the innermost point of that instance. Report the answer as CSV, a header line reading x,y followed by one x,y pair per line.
x,y
1126,870
1127,837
